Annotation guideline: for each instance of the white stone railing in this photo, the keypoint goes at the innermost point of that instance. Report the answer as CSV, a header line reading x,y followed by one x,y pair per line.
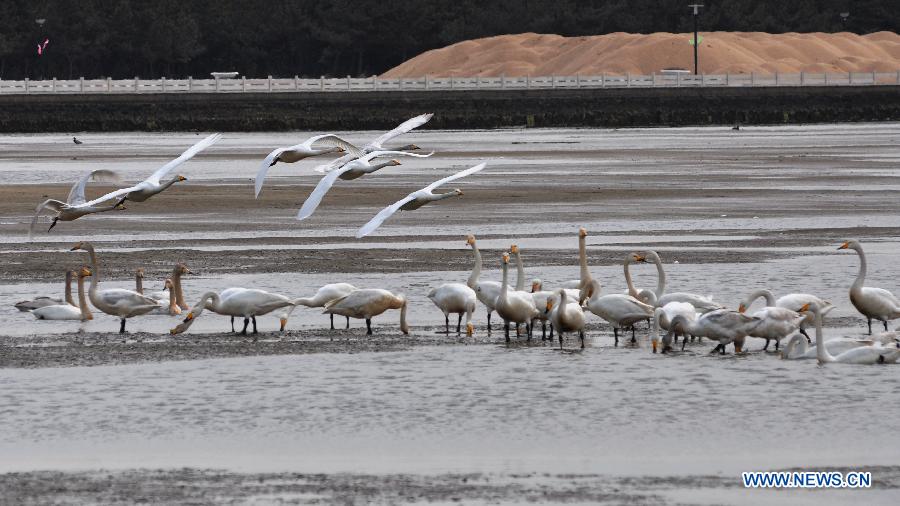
x,y
280,85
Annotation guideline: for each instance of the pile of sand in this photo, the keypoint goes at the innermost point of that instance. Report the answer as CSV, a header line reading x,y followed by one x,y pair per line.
x,y
620,53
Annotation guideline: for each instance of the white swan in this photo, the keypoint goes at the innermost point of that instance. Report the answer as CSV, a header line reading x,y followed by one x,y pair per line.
x,y
152,185
863,355
798,349
663,317
541,297
566,316
310,147
75,205
873,303
68,311
378,144
455,298
486,291
327,294
620,310
794,301
777,322
114,301
660,298
415,200
516,307
241,302
43,301
168,303
722,325
367,303
353,170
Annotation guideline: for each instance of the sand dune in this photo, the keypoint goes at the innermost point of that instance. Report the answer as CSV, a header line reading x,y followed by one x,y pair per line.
x,y
619,53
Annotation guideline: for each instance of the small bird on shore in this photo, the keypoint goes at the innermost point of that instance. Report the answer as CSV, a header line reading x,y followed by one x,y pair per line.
x,y
76,141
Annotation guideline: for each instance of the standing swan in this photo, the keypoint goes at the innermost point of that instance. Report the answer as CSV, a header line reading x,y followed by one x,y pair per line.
x,y
416,200
152,185
516,307
863,355
566,316
455,298
722,325
68,311
245,302
620,310
114,301
780,322
876,303
582,283
368,303
327,294
486,291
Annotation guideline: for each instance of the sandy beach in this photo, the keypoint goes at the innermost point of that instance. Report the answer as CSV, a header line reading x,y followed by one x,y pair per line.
x,y
315,415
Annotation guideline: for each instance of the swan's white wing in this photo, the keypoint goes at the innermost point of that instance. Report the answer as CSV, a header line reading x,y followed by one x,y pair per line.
x,y
264,169
458,175
50,204
384,214
76,194
334,141
375,154
113,195
187,155
318,193
334,164
404,127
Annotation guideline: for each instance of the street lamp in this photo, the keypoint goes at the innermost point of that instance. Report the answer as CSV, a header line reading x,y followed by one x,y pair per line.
x,y
696,8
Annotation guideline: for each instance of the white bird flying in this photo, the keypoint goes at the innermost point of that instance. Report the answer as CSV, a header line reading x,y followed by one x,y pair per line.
x,y
416,200
314,146
75,206
378,144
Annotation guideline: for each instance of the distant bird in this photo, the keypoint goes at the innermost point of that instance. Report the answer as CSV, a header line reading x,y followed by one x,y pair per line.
x,y
353,170
76,141
151,186
736,127
314,146
42,47
75,206
378,144
416,200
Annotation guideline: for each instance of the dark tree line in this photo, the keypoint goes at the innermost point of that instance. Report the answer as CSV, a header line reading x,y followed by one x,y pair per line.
x,y
177,38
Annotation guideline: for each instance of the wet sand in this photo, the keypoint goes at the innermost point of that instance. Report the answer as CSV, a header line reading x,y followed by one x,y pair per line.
x,y
761,207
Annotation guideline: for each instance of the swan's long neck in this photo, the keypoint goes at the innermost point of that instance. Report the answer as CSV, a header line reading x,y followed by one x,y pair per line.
x,y
821,351
176,289
520,272
68,292
593,287
378,166
582,261
403,326
168,183
95,273
503,285
209,298
861,276
654,335
139,283
82,302
770,298
306,301
631,289
476,268
660,277
173,301
441,196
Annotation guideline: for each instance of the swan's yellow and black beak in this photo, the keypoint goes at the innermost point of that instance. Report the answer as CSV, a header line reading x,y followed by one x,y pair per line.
x,y
804,309
845,245
283,324
189,317
514,249
549,305
737,348
506,258
653,342
470,329
638,258
182,178
582,232
742,308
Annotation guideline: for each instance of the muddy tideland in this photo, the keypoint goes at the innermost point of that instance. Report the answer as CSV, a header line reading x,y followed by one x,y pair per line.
x,y
314,415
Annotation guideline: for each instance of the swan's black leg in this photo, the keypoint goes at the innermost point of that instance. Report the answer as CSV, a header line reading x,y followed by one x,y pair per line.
x,y
766,347
348,321
581,335
122,327
551,331
232,323
459,323
870,326
683,341
446,325
489,322
53,224
560,340
885,327
253,318
543,330
776,345
803,331
246,323
368,326
616,334
633,339
505,328
332,320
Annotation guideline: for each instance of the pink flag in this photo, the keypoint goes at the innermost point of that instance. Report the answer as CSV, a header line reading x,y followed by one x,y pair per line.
x,y
43,46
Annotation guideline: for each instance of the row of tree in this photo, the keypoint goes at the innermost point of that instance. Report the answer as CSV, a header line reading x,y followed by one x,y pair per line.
x,y
177,38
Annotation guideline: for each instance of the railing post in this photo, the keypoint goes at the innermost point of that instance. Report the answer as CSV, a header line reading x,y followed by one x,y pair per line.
x,y
136,84
627,80
26,85
826,78
528,81
163,84
678,80
81,84
243,83
426,81
603,80
296,83
348,83
577,81
190,84
400,83
874,78
752,79
269,83
727,80
53,86
849,77
375,83
502,81
898,77
322,83
451,83
553,81
217,84
776,78
108,84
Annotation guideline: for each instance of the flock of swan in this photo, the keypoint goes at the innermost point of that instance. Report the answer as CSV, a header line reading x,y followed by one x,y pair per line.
x,y
688,315
354,163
